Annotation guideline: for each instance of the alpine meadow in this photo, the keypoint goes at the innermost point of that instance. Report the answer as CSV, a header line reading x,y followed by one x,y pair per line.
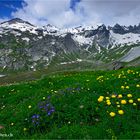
x,y
69,69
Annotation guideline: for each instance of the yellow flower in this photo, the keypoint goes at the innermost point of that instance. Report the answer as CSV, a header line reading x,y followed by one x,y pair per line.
x,y
121,112
29,106
112,114
120,96
127,87
100,99
123,102
137,85
129,95
118,106
113,96
134,104
24,129
108,103
117,103
122,87
12,124
128,71
119,76
107,98
138,99
44,98
130,101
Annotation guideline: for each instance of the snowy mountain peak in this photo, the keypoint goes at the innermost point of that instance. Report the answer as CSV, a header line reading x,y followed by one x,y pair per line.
x,y
39,45
83,35
16,21
50,29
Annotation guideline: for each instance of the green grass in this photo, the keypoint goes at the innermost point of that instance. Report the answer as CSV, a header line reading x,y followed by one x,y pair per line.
x,y
65,106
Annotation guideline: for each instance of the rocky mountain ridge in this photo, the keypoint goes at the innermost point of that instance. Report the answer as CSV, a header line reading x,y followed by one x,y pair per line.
x,y
26,46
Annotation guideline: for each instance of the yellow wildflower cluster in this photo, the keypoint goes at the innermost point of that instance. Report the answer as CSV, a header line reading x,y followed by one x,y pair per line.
x,y
130,71
123,87
123,74
120,112
100,78
119,101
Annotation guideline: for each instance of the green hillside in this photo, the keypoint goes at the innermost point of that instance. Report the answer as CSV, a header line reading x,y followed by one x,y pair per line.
x,y
73,105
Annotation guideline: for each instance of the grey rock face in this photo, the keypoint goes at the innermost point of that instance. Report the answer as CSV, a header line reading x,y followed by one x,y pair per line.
x,y
119,29
117,65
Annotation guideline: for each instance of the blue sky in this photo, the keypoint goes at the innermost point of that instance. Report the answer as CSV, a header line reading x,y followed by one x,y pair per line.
x,y
69,13
9,6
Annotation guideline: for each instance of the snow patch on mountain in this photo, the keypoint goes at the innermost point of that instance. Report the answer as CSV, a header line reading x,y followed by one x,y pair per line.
x,y
131,55
83,40
83,35
19,26
26,39
129,38
71,62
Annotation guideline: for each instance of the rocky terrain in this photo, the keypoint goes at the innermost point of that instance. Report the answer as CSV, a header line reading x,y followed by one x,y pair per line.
x,y
24,46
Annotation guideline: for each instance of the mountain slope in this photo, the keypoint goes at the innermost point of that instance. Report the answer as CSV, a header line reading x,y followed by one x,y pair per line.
x,y
24,46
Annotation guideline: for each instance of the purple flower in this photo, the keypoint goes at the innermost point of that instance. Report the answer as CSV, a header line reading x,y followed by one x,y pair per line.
x,y
36,116
35,119
49,113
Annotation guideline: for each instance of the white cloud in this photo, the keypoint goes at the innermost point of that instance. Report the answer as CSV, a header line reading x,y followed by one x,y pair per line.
x,y
56,12
40,11
87,12
132,18
110,12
